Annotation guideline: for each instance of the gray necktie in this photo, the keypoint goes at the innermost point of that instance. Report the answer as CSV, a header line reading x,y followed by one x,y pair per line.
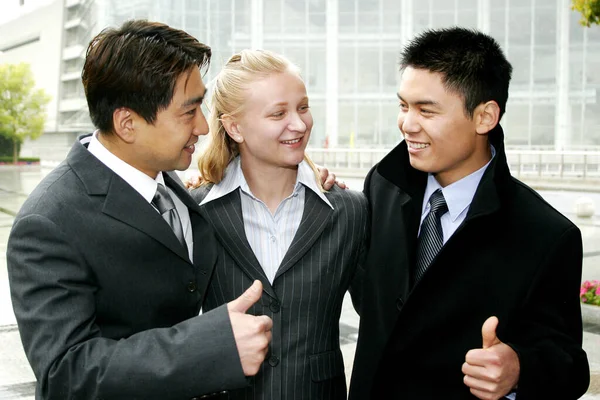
x,y
165,206
431,238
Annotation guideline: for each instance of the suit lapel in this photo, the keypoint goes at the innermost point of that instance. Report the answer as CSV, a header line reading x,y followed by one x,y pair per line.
x,y
411,216
316,216
406,210
205,247
121,202
225,215
411,213
125,204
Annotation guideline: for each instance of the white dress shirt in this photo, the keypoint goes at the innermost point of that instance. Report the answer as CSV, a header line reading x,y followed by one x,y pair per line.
x,y
269,234
142,184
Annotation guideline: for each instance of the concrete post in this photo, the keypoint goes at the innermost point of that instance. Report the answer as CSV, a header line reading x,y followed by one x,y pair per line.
x,y
562,129
257,24
331,91
483,15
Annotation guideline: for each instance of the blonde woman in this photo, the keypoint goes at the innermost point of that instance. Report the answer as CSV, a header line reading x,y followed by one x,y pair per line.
x,y
275,223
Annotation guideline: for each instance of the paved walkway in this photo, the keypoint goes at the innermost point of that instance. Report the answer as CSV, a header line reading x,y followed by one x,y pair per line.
x,y
16,377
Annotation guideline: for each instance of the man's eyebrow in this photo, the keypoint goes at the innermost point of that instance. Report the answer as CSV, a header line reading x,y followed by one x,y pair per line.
x,y
427,103
420,102
193,100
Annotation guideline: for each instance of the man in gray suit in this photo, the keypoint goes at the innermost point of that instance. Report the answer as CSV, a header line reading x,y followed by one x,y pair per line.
x,y
103,284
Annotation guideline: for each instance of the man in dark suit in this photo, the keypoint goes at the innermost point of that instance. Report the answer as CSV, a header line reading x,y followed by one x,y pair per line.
x,y
472,279
103,284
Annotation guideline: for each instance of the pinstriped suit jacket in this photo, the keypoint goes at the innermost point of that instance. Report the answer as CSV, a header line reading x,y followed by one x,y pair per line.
x,y
305,299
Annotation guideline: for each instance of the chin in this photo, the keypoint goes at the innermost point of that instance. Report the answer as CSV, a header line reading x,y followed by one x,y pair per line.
x,y
421,165
415,162
295,161
181,166
290,165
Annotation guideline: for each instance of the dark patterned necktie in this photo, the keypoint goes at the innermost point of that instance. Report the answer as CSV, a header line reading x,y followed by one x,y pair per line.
x,y
165,206
431,238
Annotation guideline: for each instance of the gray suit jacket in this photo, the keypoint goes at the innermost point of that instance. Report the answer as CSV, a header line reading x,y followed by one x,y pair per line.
x,y
105,296
305,299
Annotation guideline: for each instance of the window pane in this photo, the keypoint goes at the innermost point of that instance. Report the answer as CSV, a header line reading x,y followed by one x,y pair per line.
x,y
544,65
368,70
294,16
368,127
346,77
368,22
519,58
346,122
272,14
316,74
317,109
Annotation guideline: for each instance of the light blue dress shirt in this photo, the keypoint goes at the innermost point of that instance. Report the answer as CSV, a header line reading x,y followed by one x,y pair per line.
x,y
458,197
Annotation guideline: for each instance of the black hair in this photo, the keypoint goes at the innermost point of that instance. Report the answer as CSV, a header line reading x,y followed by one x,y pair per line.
x,y
472,64
137,66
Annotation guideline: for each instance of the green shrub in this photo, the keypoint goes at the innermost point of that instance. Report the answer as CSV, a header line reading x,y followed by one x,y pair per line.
x,y
9,159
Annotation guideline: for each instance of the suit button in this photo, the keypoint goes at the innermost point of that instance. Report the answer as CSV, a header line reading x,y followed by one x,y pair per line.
x,y
399,303
275,306
273,361
191,286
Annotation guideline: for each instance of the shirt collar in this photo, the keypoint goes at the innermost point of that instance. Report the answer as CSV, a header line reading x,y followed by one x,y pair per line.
x,y
306,177
459,194
234,178
138,180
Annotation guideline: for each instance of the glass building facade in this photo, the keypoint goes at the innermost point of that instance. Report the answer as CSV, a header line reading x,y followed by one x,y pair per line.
x,y
348,52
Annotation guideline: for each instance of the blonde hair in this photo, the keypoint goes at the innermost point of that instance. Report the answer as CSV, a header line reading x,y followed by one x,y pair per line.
x,y
228,98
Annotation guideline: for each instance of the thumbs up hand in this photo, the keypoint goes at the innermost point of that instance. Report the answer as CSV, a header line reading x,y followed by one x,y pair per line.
x,y
247,299
488,332
252,333
492,371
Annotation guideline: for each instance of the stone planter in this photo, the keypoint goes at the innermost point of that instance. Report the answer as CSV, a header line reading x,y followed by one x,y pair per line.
x,y
590,314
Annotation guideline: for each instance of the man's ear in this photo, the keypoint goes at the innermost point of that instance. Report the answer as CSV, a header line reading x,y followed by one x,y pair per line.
x,y
486,116
123,122
232,128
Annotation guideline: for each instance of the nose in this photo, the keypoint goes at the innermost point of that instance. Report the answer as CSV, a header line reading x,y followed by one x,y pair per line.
x,y
296,123
200,125
408,122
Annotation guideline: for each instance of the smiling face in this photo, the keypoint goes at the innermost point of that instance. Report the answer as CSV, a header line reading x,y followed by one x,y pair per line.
x,y
275,125
441,138
168,144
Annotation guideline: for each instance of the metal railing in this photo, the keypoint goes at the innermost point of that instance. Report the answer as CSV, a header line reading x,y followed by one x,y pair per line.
x,y
581,166
532,166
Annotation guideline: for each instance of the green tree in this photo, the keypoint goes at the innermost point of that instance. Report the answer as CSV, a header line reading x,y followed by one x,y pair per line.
x,y
589,9
22,107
